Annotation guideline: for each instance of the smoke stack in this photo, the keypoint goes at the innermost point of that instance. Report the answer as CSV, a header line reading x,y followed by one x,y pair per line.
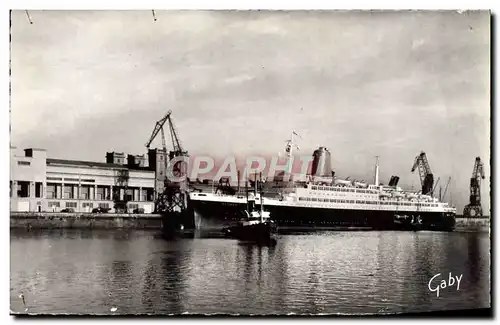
x,y
321,165
376,173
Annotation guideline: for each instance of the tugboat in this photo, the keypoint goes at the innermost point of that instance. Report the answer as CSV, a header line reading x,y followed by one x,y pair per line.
x,y
257,226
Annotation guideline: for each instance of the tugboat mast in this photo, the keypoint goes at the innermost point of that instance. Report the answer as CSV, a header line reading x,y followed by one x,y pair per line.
x,y
289,150
246,192
261,199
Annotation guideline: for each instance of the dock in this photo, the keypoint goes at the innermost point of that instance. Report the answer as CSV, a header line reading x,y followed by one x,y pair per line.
x,y
58,220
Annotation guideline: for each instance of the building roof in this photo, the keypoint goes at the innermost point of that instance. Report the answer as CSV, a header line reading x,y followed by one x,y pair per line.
x,y
93,164
36,149
82,163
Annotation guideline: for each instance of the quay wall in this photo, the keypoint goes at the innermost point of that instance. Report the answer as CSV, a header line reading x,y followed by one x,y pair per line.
x,y
54,220
51,220
472,224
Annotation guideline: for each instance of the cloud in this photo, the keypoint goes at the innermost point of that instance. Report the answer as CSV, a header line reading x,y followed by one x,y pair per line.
x,y
417,43
361,83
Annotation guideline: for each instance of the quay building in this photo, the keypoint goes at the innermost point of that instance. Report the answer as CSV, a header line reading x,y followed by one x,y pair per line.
x,y
42,184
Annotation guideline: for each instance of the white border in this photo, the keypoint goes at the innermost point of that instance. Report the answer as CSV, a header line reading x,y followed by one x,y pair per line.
x,y
186,4
256,4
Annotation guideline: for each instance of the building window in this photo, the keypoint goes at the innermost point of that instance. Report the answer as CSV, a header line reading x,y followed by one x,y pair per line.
x,y
71,179
100,193
104,205
87,205
88,180
70,204
84,195
54,204
51,191
54,178
129,194
23,163
38,189
133,206
68,192
150,192
23,189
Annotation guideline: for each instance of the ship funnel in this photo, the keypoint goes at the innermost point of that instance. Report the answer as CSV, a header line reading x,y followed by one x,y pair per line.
x,y
376,182
322,164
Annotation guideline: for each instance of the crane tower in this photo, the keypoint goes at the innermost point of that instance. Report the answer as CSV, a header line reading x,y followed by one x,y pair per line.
x,y
473,209
424,171
171,195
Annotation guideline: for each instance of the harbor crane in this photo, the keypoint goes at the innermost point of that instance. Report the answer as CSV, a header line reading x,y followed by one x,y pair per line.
x,y
173,196
424,171
177,147
474,209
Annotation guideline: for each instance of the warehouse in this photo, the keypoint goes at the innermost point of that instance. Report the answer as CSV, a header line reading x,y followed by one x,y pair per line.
x,y
38,183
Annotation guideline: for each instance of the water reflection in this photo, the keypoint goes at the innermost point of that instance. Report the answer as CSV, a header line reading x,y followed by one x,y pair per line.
x,y
164,278
121,286
313,282
477,262
171,266
278,265
422,259
149,286
474,257
387,272
331,272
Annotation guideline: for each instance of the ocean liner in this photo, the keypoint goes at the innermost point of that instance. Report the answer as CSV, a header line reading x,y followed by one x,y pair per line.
x,y
329,202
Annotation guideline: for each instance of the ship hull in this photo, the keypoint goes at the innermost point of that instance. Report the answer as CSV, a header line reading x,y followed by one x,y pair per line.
x,y
218,214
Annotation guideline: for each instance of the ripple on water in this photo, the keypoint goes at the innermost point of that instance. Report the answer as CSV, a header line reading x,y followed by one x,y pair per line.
x,y
331,272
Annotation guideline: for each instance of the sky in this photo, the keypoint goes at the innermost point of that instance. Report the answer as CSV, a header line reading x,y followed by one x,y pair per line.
x,y
361,83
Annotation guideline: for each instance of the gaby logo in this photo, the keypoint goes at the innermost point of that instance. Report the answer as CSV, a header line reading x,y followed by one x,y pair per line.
x,y
435,285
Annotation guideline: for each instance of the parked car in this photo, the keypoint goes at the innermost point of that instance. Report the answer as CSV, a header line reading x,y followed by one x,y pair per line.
x,y
68,210
100,210
138,211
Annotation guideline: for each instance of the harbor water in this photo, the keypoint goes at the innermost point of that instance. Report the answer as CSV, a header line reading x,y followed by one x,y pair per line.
x,y
137,272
